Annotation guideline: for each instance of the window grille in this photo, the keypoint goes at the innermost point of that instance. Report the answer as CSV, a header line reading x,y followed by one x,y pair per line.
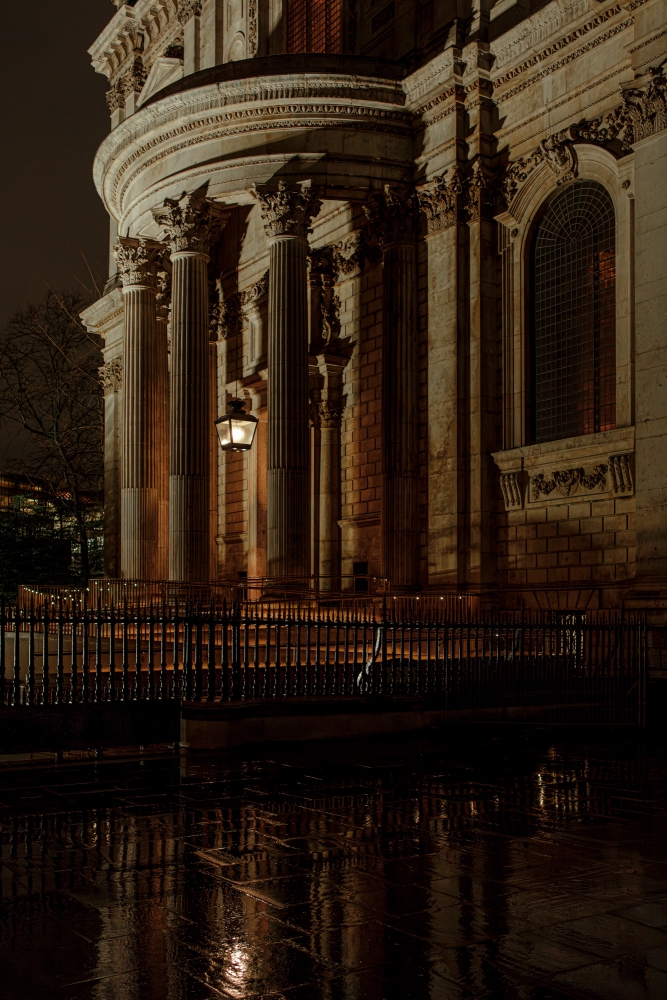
x,y
313,26
574,315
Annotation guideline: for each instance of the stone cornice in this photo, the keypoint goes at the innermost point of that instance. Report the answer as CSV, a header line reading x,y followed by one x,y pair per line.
x,y
539,58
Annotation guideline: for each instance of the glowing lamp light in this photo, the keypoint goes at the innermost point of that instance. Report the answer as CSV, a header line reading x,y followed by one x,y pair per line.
x,y
236,429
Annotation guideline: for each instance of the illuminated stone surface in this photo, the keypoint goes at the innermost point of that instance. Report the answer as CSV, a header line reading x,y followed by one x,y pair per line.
x,y
495,863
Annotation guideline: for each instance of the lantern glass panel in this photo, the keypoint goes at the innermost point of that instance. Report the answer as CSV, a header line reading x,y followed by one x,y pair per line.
x,y
242,431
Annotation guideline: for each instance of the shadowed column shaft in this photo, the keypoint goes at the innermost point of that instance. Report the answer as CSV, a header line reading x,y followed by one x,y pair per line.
x,y
189,430
144,427
329,561
400,418
288,436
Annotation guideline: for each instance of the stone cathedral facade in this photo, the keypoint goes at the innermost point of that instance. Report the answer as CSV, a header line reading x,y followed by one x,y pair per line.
x,y
425,241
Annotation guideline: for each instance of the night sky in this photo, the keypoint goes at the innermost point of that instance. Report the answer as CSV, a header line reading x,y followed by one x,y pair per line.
x,y
53,117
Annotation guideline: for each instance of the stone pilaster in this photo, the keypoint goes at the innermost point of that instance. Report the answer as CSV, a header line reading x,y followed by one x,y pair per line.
x,y
483,361
393,218
144,411
330,411
442,204
189,224
287,214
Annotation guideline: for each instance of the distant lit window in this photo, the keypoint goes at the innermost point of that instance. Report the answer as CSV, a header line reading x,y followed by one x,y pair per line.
x,y
313,26
574,315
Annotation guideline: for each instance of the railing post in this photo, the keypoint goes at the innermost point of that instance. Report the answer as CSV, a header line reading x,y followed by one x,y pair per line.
x,y
31,656
236,651
210,677
16,693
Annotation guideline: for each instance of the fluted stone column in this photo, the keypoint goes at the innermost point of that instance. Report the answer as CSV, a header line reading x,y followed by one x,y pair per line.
x,y
287,214
144,410
189,223
393,217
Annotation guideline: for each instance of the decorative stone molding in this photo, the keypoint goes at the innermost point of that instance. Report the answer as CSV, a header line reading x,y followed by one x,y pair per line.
x,y
392,215
569,482
188,9
190,222
330,412
535,29
288,211
111,376
557,151
440,200
351,254
511,490
138,261
620,474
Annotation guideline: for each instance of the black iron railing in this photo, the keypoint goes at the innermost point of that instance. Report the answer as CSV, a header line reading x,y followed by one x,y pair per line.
x,y
565,662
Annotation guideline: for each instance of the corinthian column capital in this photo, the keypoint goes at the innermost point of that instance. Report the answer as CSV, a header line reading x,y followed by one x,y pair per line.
x,y
330,412
190,223
138,261
188,9
288,211
393,215
441,200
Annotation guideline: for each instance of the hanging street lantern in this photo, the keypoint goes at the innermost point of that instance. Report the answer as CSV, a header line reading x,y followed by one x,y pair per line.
x,y
236,429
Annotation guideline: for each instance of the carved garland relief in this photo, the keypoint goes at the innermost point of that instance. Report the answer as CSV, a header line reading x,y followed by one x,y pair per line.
x,y
612,477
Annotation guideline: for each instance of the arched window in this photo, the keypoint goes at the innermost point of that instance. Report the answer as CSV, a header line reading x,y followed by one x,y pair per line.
x,y
574,315
313,26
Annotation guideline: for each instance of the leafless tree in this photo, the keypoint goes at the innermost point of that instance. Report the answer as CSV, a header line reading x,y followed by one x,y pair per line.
x,y
49,387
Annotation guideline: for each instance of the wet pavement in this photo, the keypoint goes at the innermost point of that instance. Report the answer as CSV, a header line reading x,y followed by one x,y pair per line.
x,y
526,864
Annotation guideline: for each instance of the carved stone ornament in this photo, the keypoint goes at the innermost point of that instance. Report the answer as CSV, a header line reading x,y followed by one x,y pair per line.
x,y
115,98
480,191
620,474
252,28
643,113
439,200
133,81
288,211
330,309
225,316
138,261
190,222
511,490
188,9
351,254
163,297
330,412
111,376
569,482
392,215
256,291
